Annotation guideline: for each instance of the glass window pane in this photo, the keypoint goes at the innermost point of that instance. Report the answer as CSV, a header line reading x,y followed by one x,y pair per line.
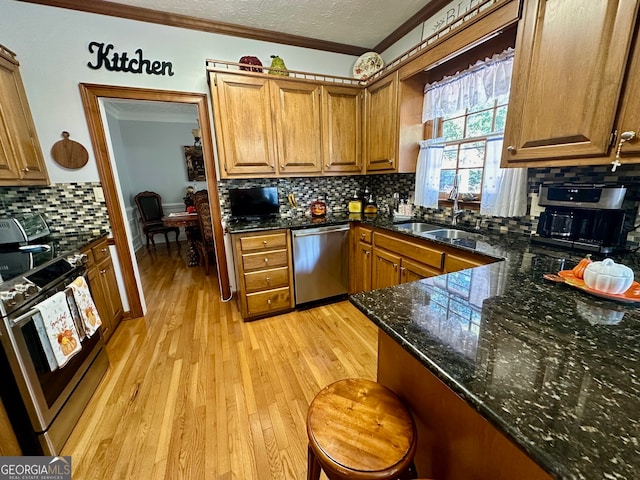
x,y
450,157
470,180
488,104
446,180
479,124
453,129
502,99
501,117
472,154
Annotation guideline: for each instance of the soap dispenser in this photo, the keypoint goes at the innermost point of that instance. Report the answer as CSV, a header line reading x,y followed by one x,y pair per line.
x,y
355,204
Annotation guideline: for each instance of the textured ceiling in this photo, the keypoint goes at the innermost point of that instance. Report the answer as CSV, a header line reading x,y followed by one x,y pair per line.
x,y
363,23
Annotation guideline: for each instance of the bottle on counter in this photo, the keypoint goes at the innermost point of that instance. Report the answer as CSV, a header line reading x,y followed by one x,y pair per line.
x,y
355,204
370,206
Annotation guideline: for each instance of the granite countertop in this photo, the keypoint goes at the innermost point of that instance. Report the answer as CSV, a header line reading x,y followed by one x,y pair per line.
x,y
72,241
555,368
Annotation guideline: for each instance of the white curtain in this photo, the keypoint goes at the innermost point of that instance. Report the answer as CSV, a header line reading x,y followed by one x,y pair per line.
x,y
504,190
482,81
428,174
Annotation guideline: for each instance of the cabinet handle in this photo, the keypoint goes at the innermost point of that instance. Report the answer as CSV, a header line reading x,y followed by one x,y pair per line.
x,y
390,162
366,252
103,250
102,272
266,260
268,280
395,266
282,166
268,301
327,165
25,169
511,149
363,236
273,167
264,242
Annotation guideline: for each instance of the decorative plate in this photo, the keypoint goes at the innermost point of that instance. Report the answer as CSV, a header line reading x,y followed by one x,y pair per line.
x,y
632,295
368,64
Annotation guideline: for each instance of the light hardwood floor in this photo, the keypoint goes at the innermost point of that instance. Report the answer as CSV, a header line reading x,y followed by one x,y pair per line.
x,y
193,392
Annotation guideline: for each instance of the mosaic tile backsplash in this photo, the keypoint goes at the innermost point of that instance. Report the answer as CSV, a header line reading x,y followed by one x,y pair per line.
x,y
69,205
66,206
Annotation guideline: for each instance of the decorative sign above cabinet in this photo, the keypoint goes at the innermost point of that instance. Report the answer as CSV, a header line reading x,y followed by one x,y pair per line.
x,y
120,62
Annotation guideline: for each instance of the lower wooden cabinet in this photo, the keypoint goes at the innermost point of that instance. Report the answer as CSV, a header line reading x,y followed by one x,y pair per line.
x,y
104,286
382,258
264,273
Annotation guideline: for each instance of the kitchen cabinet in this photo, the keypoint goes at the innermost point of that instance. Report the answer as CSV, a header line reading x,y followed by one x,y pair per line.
x,y
296,111
381,124
21,159
244,130
385,269
263,273
361,265
342,129
568,74
273,127
104,286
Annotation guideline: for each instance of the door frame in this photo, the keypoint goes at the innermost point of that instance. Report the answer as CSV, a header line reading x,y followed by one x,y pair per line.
x,y
91,95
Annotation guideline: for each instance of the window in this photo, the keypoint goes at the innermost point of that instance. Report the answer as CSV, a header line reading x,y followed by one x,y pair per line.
x,y
464,136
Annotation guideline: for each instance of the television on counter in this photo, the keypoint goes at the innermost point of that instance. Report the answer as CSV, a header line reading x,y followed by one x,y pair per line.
x,y
254,203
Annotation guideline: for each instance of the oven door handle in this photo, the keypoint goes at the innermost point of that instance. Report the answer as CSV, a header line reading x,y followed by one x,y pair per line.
x,y
22,319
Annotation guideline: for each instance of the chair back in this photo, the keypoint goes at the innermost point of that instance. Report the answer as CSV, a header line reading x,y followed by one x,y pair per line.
x,y
150,206
201,200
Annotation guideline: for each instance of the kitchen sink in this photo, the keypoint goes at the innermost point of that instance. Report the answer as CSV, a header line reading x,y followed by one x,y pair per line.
x,y
452,234
417,227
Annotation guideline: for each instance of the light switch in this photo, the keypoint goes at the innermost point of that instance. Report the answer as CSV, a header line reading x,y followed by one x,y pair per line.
x,y
98,194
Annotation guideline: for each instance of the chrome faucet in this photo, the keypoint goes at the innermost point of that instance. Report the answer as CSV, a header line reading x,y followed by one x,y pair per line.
x,y
453,195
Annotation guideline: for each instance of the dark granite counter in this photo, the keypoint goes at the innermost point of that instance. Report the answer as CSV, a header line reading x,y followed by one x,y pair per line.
x,y
554,368
70,242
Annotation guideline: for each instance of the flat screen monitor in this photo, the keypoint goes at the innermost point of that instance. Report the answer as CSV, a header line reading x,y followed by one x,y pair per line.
x,y
255,202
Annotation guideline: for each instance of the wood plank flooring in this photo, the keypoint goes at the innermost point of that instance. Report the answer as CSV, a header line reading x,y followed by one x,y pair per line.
x,y
193,392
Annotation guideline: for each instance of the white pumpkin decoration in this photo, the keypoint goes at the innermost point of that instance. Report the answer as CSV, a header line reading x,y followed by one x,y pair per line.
x,y
608,277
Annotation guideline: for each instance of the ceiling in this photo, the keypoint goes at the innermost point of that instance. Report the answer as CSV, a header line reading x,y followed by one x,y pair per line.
x,y
343,26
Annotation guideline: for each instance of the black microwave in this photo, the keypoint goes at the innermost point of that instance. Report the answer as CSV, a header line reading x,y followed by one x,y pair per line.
x,y
254,202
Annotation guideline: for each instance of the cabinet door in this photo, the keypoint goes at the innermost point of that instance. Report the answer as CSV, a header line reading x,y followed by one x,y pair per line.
x,y
412,271
386,269
567,76
244,127
629,119
296,110
454,263
111,292
362,268
381,124
100,299
20,154
342,129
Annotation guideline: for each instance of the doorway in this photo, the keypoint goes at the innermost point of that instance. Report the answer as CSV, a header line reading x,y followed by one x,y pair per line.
x,y
91,96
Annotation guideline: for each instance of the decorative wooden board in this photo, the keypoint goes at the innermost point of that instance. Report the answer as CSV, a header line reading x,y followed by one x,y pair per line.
x,y
69,154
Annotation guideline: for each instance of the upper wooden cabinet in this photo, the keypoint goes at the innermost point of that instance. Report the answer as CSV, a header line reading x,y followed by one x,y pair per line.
x,y
381,120
342,129
21,160
275,127
296,112
569,68
244,130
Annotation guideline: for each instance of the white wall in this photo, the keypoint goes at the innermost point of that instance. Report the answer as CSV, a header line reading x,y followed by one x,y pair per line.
x,y
52,47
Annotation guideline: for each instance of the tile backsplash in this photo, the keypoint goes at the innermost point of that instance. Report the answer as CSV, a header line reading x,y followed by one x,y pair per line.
x,y
70,205
66,206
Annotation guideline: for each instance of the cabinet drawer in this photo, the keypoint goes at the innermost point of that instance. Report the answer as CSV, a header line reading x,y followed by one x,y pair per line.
x,y
100,252
263,242
266,279
271,300
421,253
365,235
275,258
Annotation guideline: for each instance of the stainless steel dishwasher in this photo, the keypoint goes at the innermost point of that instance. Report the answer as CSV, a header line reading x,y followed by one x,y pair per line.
x,y
320,262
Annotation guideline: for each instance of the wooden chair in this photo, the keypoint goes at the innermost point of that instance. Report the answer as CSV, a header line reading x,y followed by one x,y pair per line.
x,y
360,430
150,208
205,243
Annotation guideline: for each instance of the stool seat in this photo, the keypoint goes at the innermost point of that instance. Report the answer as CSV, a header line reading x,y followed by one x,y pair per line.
x,y
359,429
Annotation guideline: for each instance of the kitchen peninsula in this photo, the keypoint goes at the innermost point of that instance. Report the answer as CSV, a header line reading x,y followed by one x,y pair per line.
x,y
496,352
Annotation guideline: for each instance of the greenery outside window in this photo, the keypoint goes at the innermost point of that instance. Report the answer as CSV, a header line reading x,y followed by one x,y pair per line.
x,y
464,136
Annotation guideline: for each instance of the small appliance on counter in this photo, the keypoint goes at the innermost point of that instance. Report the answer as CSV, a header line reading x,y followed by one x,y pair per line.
x,y
582,217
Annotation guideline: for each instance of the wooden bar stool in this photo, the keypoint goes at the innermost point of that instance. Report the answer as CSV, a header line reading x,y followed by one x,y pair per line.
x,y
360,430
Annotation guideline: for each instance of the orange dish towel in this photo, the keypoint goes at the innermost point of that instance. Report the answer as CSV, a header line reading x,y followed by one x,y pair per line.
x,y
86,307
58,329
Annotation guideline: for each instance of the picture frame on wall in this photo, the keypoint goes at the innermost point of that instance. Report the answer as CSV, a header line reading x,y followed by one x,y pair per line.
x,y
195,163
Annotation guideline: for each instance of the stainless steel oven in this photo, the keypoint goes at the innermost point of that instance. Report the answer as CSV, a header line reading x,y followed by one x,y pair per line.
x,y
43,402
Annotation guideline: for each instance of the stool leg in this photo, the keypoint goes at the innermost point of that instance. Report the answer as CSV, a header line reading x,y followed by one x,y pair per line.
x,y
313,466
